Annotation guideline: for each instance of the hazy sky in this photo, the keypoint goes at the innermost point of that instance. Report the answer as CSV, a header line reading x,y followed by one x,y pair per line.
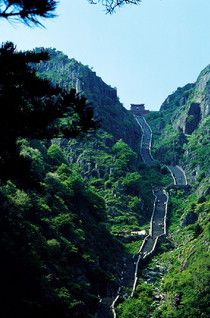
x,y
145,51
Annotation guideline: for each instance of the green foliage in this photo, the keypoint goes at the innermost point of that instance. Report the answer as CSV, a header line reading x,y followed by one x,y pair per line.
x,y
57,156
54,246
186,286
111,171
125,157
140,306
113,117
39,110
183,277
198,151
51,260
182,264
53,229
180,205
26,11
168,140
133,247
151,177
59,218
132,183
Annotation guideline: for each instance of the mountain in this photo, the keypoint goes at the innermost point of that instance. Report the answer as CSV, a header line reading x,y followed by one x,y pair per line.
x,y
175,283
67,205
181,128
113,117
72,208
191,103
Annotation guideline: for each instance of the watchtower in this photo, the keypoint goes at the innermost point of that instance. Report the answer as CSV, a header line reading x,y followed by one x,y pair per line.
x,y
139,109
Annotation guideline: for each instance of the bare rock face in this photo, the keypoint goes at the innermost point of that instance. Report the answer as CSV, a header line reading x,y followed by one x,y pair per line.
x,y
185,112
178,99
190,105
198,105
202,89
193,118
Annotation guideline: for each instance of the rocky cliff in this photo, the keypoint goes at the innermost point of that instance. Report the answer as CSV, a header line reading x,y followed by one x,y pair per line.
x,y
176,280
190,104
68,73
181,129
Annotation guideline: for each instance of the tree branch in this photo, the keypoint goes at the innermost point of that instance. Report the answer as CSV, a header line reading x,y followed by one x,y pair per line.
x,y
111,5
27,11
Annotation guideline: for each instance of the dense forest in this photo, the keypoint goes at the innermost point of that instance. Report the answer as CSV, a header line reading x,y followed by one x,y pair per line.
x,y
59,194
76,197
74,188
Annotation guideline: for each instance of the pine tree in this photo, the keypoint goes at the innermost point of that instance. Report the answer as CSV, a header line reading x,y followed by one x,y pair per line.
x,y
32,108
27,11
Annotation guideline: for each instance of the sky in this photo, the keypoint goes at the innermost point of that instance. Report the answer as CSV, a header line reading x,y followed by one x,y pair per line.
x,y
146,51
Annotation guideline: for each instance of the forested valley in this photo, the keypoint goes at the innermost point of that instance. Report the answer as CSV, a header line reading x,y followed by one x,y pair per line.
x,y
77,196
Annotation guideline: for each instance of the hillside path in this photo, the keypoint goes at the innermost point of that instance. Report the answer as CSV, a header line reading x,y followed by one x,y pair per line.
x,y
178,175
146,142
157,223
159,215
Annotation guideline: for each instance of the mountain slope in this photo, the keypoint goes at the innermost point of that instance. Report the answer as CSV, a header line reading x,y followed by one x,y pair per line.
x,y
176,281
66,234
68,73
181,128
62,232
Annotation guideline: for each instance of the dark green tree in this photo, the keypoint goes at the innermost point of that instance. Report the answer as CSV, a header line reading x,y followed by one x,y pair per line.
x,y
32,108
27,11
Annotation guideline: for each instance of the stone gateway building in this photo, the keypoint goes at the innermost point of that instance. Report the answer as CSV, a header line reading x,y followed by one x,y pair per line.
x,y
139,109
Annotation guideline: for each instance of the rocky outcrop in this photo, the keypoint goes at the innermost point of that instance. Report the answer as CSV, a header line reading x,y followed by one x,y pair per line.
x,y
189,105
202,91
199,108
193,118
113,117
177,99
183,136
